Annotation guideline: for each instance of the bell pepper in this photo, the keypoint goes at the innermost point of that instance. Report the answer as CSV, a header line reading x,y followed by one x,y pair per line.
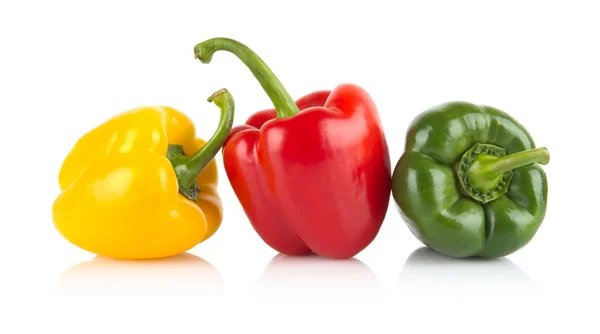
x,y
141,185
312,176
469,182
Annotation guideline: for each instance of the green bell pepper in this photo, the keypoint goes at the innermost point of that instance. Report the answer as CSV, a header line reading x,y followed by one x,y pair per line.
x,y
469,183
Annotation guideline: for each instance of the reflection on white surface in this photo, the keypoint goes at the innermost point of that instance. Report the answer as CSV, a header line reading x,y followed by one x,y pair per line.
x,y
428,270
181,275
313,276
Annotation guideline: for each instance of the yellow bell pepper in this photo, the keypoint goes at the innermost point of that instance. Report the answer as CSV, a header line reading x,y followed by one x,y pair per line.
x,y
141,185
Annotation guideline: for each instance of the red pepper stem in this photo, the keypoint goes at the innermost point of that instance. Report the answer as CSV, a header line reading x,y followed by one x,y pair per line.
x,y
285,106
188,168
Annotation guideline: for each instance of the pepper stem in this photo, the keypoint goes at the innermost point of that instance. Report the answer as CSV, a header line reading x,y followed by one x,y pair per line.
x,y
285,106
515,160
187,169
484,172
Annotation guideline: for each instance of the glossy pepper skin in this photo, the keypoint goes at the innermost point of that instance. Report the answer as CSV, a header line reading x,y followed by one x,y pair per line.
x,y
312,175
129,191
469,182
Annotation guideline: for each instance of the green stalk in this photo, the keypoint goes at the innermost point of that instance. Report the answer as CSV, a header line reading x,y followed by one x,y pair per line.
x,y
285,106
485,171
513,161
188,168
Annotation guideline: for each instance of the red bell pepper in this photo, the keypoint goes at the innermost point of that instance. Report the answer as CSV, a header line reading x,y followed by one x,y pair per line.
x,y
312,175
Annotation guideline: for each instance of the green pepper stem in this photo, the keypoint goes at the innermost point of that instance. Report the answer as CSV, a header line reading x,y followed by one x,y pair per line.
x,y
188,168
285,106
515,160
485,171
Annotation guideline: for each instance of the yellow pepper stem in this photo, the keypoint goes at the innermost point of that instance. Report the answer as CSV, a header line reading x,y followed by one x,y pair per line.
x,y
188,168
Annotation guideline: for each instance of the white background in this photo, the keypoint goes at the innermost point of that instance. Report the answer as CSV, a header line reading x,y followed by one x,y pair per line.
x,y
67,66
